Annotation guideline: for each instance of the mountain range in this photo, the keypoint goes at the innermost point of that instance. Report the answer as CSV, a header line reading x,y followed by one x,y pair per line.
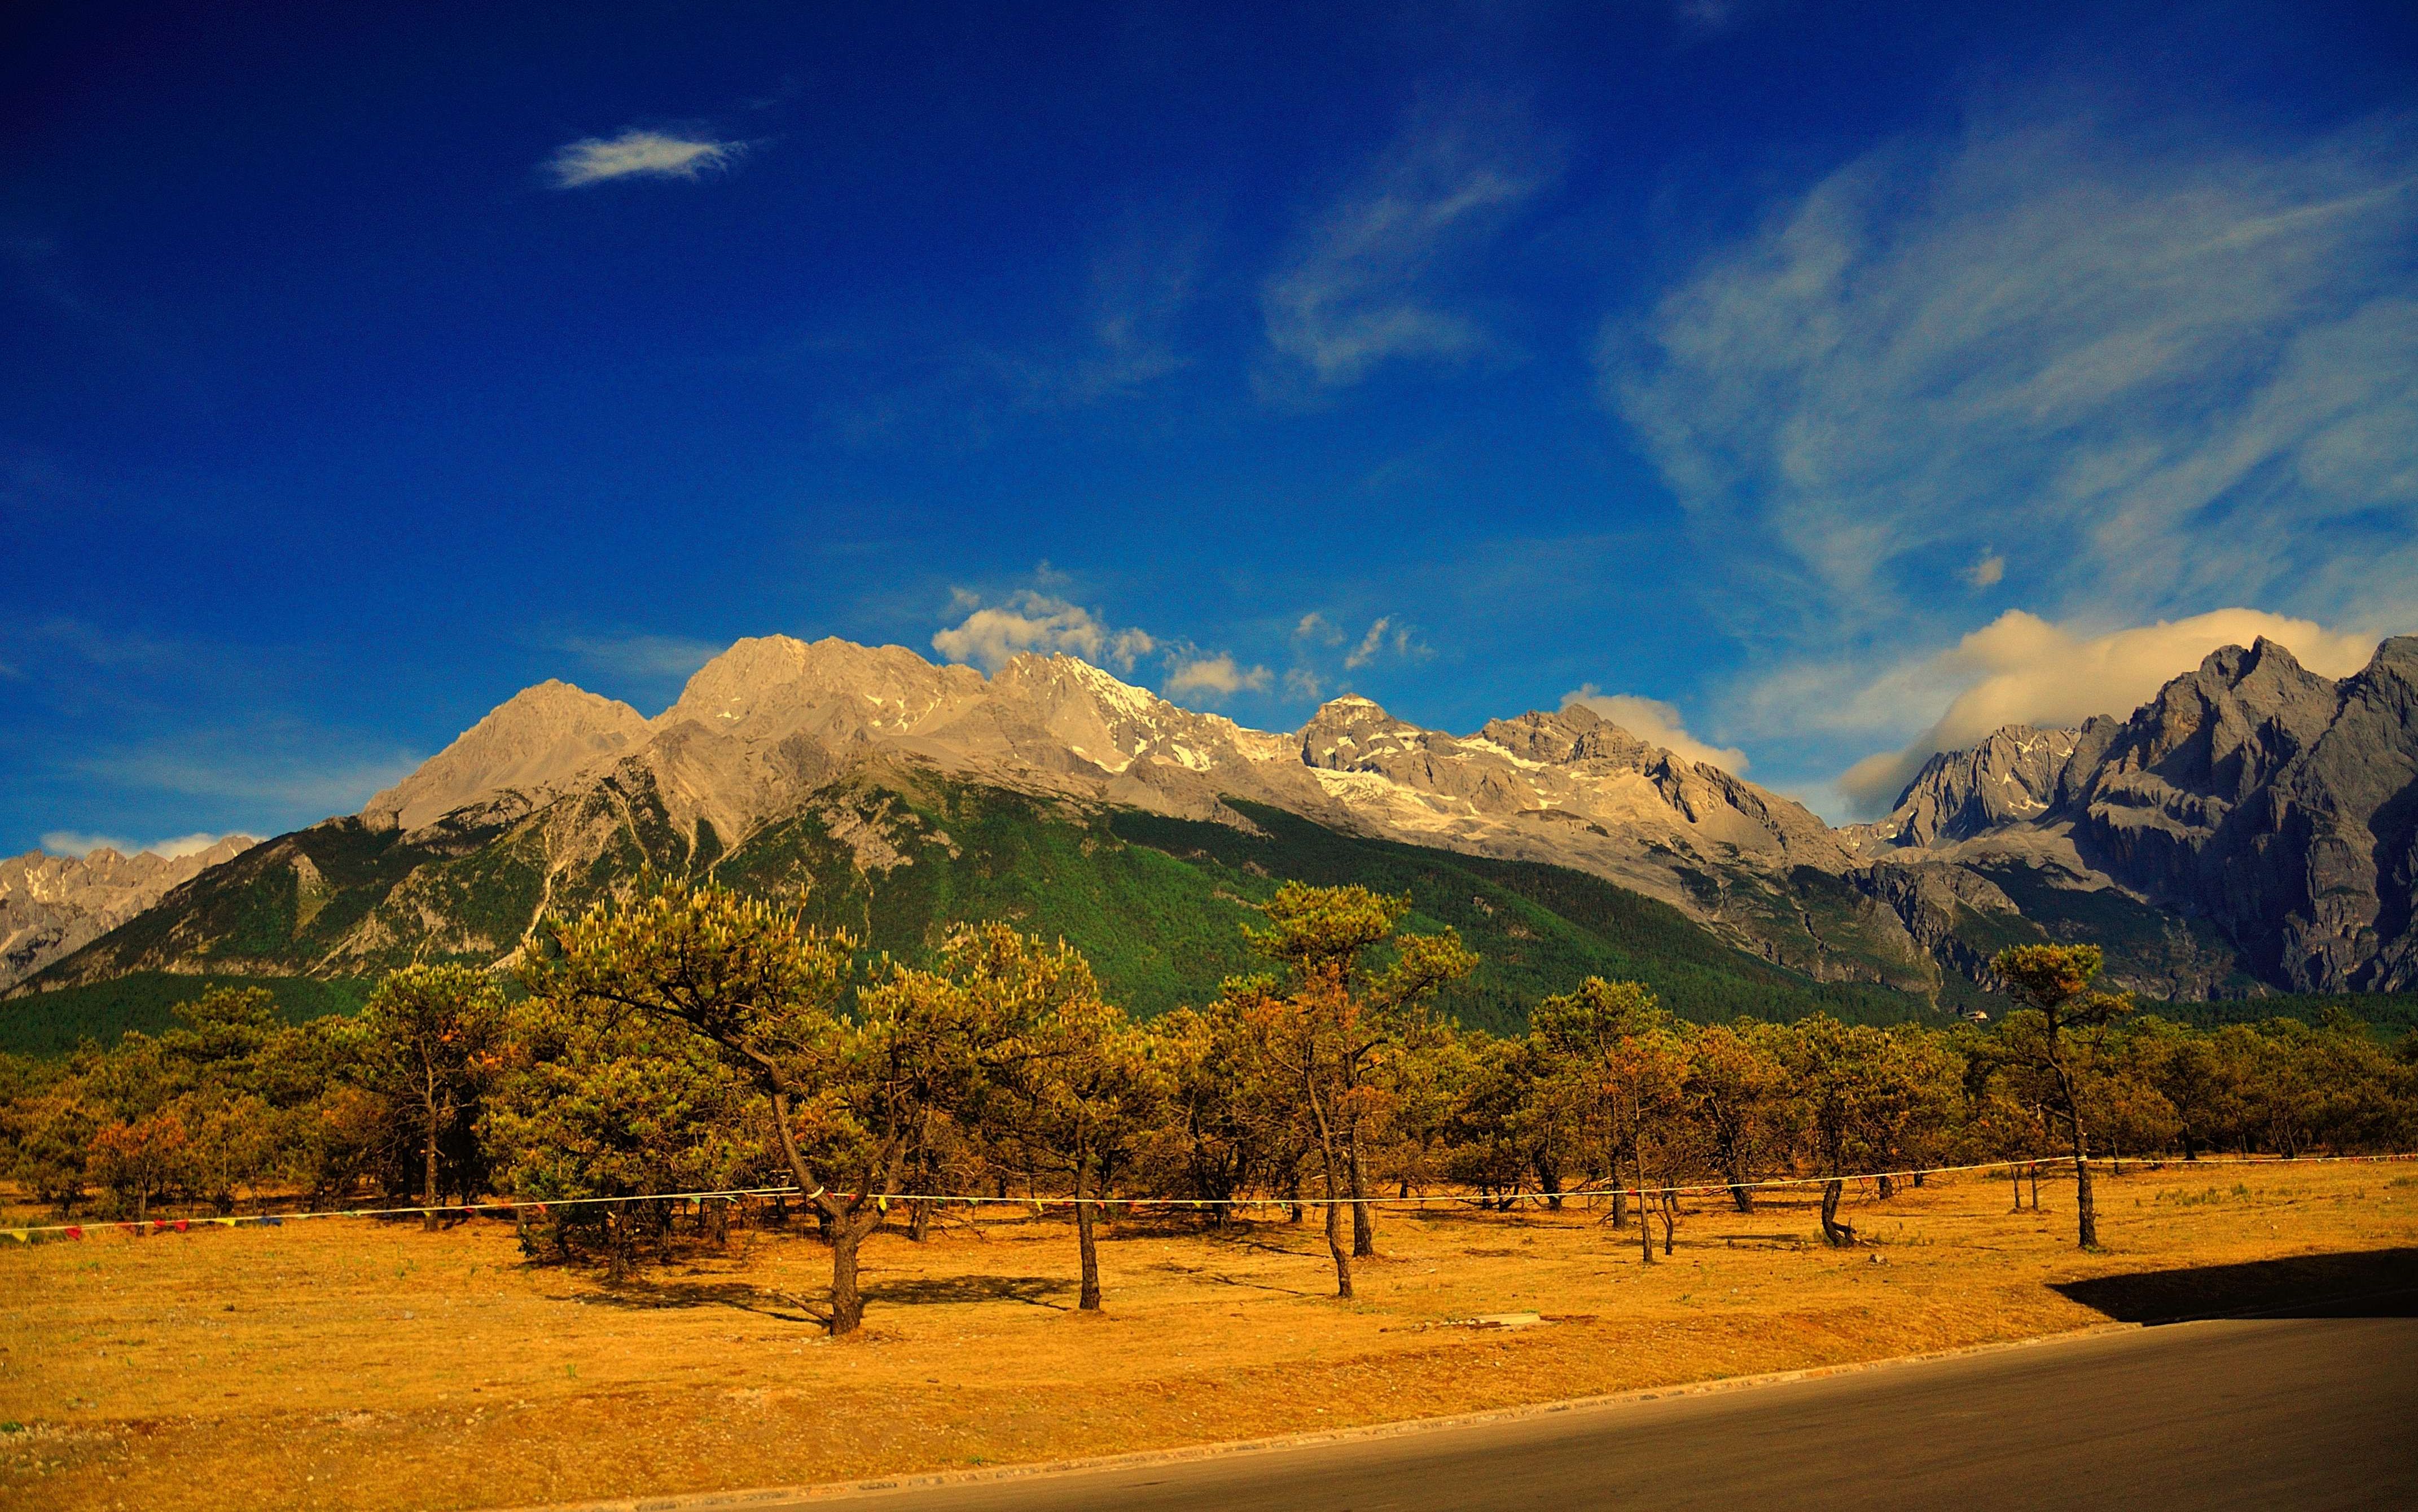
x,y
2253,829
51,907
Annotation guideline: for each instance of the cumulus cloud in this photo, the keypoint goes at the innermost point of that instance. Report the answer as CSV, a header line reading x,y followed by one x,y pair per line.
x,y
74,843
1988,571
2160,371
1361,285
1035,621
2021,669
1217,675
639,154
1657,723
1304,684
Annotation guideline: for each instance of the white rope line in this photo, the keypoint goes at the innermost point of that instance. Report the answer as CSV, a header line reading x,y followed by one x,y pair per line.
x,y
1038,1203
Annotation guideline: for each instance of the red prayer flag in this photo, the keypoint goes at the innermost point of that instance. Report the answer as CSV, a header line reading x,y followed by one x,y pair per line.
x,y
74,1232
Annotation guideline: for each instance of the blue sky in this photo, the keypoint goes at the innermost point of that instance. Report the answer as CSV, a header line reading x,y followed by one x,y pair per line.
x,y
1816,385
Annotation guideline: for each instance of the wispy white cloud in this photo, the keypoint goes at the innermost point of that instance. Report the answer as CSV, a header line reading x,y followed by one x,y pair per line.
x,y
1140,288
74,843
642,655
1363,282
278,774
1318,630
1705,16
1657,723
2151,375
989,635
1219,675
1370,644
1384,635
2123,378
637,153
2020,669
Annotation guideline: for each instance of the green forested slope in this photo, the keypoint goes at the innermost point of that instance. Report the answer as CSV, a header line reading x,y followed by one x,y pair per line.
x,y
1157,904
54,1023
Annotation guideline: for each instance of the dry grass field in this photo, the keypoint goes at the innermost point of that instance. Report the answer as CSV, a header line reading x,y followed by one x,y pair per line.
x,y
364,1364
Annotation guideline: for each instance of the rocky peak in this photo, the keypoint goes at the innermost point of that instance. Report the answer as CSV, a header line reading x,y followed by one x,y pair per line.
x,y
2012,776
539,737
1573,733
2228,727
1354,734
1049,703
771,686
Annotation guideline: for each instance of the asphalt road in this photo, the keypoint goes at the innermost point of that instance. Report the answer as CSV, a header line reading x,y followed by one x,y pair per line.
x,y
2278,1413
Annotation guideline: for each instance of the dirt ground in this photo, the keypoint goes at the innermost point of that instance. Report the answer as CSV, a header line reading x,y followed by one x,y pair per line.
x,y
366,1364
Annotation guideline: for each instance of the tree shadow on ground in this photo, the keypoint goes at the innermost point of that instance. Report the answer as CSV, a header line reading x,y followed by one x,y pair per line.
x,y
1200,1273
1790,1243
1034,1289
2371,1283
661,1295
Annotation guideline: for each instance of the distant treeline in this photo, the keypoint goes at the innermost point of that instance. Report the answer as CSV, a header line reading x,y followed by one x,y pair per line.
x,y
47,1024
692,1038
51,1024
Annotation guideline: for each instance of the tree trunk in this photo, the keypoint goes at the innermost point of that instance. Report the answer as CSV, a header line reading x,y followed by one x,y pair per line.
x,y
1334,1245
2082,1199
1833,1231
846,1225
847,1302
919,1220
1889,1187
1364,1228
428,1195
1645,1224
1670,1218
2015,1179
1090,1300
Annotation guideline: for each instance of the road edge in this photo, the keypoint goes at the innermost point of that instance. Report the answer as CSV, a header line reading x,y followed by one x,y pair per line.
x,y
929,1480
